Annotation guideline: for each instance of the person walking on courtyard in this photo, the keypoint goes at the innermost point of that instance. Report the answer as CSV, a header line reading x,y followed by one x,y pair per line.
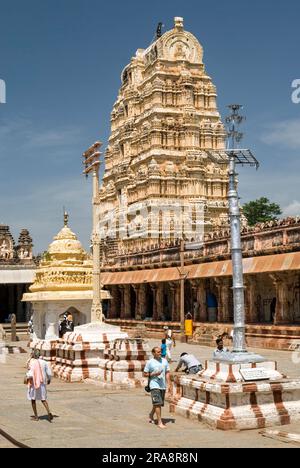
x,y
39,375
170,341
157,370
163,348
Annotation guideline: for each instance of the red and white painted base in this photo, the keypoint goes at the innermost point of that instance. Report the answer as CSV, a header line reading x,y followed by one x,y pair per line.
x,y
46,348
78,353
230,373
223,401
97,352
12,350
124,362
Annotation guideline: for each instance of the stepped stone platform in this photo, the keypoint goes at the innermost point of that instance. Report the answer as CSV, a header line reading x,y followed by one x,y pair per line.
x,y
123,363
12,350
98,352
21,331
221,397
47,348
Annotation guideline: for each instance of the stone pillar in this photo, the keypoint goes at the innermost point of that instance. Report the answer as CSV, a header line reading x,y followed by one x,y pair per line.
x,y
251,312
114,303
195,306
203,315
175,300
136,288
155,315
282,314
122,302
160,300
127,301
141,302
177,303
96,312
223,286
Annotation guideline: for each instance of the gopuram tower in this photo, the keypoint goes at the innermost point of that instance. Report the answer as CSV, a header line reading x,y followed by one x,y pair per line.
x,y
160,182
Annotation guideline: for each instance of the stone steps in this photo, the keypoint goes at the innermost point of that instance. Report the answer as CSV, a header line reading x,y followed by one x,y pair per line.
x,y
21,331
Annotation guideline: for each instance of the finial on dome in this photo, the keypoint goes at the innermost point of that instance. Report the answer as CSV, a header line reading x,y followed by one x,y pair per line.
x,y
66,218
178,22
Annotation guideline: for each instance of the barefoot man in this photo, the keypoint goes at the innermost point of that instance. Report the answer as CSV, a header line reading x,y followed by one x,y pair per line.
x,y
157,370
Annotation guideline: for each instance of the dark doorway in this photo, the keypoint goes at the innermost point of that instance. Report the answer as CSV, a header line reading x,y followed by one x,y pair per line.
x,y
11,303
149,302
5,310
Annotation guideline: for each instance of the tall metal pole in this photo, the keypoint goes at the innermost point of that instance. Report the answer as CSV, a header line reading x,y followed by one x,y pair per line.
x,y
239,342
92,165
235,156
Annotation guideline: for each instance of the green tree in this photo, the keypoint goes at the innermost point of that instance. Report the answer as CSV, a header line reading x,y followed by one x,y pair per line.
x,y
261,211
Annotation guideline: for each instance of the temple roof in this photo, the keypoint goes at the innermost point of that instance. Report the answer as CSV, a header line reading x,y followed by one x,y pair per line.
x,y
66,266
66,246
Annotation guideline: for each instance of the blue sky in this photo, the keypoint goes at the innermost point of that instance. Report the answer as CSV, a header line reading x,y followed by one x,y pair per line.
x,y
62,59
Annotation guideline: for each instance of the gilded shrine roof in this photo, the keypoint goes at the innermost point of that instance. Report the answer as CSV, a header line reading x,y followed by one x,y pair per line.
x,y
66,266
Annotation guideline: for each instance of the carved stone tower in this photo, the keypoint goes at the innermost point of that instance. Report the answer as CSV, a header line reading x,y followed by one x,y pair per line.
x,y
24,247
7,244
160,183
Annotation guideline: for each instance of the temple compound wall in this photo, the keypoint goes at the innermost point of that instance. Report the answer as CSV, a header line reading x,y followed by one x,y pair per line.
x,y
146,286
17,272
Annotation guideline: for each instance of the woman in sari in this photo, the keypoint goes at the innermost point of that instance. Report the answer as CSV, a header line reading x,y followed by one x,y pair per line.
x,y
39,375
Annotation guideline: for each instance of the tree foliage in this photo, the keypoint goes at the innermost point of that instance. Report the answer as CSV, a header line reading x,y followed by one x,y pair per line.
x,y
261,211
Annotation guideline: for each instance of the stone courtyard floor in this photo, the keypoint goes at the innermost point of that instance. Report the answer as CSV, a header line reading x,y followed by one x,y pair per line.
x,y
88,416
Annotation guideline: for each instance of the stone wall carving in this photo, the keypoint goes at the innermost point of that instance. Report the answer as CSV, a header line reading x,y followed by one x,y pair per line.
x,y
274,237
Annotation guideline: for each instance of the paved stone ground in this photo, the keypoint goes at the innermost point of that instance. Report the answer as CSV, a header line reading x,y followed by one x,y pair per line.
x,y
88,416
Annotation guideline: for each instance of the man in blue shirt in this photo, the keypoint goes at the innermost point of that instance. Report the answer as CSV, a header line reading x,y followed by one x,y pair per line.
x,y
157,370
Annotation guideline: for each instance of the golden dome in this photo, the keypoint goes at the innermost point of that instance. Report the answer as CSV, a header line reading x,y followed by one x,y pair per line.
x,y
66,266
66,246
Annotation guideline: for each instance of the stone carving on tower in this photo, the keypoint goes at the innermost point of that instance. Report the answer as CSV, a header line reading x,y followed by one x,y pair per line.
x,y
7,243
24,247
160,182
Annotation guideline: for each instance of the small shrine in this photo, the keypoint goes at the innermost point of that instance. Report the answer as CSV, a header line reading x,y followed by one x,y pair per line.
x,y
63,284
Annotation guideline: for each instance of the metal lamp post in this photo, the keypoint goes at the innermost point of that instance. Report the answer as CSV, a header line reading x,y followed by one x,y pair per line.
x,y
91,162
234,156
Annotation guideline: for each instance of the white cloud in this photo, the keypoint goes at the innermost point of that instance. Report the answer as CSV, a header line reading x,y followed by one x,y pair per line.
x,y
293,209
28,135
285,133
50,138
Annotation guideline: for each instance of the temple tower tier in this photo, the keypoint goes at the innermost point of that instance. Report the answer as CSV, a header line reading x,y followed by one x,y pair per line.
x,y
160,182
